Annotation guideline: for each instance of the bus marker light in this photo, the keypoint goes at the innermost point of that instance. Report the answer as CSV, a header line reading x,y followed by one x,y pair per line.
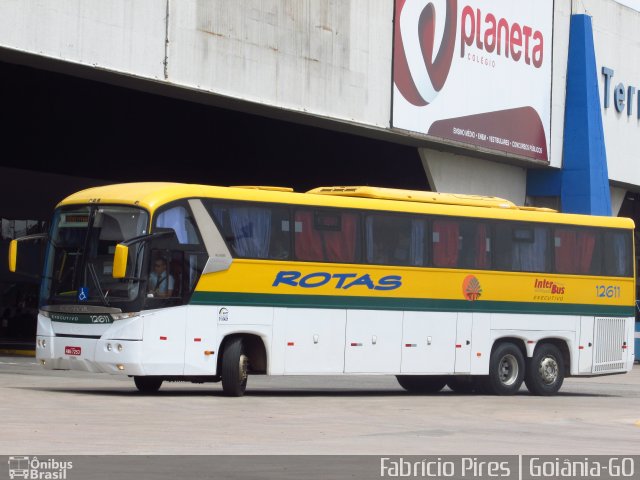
x,y
208,352
120,367
290,344
479,354
458,345
163,338
197,339
531,341
581,347
354,344
410,345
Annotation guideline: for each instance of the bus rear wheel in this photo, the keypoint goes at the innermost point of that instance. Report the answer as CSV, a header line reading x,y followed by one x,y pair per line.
x,y
545,370
148,384
506,370
421,383
235,368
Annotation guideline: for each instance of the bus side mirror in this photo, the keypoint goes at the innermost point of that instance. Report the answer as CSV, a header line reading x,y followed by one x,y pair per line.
x,y
120,259
121,256
13,255
30,260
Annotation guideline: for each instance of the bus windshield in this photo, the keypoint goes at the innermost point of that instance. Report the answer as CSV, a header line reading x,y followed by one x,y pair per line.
x,y
79,261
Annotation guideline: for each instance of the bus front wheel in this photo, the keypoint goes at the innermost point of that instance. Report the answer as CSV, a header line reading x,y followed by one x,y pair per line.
x,y
148,384
235,366
421,383
545,370
506,370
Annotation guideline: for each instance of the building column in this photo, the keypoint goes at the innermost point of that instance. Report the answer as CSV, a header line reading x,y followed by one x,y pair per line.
x,y
450,173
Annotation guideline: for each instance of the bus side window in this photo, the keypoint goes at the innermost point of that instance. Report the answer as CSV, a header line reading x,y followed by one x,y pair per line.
x,y
179,220
475,245
254,231
617,258
521,248
327,236
577,251
395,240
446,243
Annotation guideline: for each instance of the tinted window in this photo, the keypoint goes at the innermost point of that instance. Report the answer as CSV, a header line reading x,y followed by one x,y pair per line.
x,y
327,236
395,240
254,231
521,248
178,218
461,244
577,251
617,254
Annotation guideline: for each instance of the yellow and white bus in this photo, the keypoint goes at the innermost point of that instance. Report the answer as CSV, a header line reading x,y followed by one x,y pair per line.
x,y
175,282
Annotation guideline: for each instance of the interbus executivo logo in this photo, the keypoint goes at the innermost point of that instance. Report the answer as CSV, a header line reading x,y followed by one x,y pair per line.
x,y
33,468
420,72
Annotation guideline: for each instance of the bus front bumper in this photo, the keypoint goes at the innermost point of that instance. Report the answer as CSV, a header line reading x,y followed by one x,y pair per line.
x,y
117,357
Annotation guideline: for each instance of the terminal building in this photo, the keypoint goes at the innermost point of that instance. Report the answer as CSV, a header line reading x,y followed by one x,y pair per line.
x,y
535,102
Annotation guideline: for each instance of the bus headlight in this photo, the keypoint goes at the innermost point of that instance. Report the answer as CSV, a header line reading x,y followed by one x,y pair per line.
x,y
120,347
108,347
44,343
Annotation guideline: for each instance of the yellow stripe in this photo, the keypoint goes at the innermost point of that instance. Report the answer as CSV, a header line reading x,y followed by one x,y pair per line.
x,y
151,196
258,276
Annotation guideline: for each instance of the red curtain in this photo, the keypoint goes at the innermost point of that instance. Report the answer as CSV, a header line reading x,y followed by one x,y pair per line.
x,y
341,245
328,245
574,251
445,249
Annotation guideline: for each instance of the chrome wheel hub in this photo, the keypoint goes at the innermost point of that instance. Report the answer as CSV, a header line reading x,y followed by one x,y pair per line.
x,y
508,370
244,367
548,370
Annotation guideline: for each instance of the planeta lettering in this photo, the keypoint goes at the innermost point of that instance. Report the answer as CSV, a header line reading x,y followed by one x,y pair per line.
x,y
488,33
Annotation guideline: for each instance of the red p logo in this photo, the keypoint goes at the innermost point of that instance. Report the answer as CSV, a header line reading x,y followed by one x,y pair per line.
x,y
419,71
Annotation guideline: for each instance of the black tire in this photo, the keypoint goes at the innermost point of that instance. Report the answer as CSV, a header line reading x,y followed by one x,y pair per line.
x,y
235,366
506,370
148,384
463,384
545,370
422,383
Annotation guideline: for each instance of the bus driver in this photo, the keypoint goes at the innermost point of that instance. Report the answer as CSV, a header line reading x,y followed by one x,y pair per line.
x,y
160,281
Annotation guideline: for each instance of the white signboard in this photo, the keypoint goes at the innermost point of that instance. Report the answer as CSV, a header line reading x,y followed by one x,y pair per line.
x,y
476,72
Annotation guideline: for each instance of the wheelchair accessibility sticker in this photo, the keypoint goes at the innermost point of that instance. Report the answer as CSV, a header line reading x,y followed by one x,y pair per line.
x,y
83,294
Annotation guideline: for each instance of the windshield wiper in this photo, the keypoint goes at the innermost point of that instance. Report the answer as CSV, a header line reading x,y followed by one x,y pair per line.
x,y
96,280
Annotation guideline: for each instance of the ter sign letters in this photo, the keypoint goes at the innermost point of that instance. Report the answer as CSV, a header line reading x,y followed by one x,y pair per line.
x,y
475,72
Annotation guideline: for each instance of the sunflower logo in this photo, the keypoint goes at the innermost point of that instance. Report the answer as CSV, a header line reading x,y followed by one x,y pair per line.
x,y
471,288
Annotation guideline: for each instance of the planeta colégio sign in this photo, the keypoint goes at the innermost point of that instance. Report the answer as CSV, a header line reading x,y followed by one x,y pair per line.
x,y
475,72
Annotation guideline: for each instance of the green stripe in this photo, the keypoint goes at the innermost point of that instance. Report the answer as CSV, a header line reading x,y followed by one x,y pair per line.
x,y
414,304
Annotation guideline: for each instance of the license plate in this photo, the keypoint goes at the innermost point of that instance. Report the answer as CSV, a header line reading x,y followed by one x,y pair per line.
x,y
73,351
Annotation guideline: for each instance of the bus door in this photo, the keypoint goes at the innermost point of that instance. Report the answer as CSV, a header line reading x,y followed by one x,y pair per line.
x,y
313,340
373,341
463,342
428,342
585,345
